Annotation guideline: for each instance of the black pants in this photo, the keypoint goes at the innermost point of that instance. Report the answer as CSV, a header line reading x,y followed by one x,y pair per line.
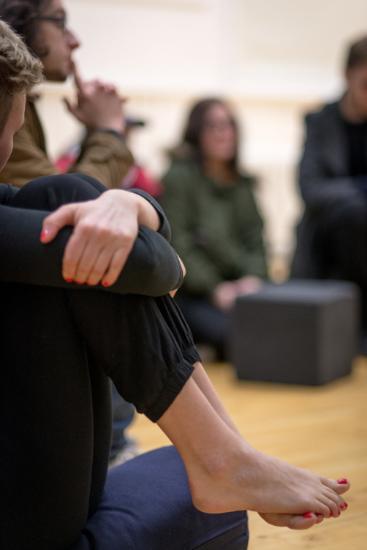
x,y
338,245
58,349
209,324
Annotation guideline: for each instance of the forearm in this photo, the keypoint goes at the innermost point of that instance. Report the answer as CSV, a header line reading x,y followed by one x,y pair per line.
x,y
152,268
319,191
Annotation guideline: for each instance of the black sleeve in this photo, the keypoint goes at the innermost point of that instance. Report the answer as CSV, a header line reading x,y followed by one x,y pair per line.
x,y
165,228
152,268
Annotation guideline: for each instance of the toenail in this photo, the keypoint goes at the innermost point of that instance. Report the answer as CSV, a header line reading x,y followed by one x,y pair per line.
x,y
308,515
343,481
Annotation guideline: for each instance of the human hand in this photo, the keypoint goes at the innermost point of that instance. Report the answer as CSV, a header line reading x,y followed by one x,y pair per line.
x,y
248,285
104,232
97,105
224,295
183,268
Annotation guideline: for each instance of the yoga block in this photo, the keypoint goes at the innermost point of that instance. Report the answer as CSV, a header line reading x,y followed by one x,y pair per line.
x,y
299,332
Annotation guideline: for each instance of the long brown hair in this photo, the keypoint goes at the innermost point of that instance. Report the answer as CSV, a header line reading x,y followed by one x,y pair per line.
x,y
195,125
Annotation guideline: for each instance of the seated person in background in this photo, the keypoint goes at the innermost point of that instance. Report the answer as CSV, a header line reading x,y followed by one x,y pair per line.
x,y
332,235
137,177
43,26
217,229
54,392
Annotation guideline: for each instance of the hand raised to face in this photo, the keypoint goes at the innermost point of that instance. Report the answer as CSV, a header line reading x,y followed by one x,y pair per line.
x,y
97,104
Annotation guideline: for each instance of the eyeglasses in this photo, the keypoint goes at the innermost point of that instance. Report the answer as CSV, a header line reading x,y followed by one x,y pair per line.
x,y
59,20
219,125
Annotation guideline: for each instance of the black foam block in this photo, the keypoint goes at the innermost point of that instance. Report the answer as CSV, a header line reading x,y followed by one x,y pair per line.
x,y
300,332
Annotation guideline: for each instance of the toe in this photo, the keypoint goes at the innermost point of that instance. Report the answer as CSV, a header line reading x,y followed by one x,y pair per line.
x,y
332,505
323,509
340,486
303,522
293,521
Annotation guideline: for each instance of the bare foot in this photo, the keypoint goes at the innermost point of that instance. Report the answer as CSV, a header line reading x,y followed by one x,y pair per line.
x,y
246,479
293,521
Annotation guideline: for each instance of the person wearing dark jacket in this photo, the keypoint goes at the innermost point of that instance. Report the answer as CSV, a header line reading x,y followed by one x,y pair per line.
x,y
332,235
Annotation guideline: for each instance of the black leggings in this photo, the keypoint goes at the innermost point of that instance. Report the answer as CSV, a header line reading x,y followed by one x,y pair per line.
x,y
59,348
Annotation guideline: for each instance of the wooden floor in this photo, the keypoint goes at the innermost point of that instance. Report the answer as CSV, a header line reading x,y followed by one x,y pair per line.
x,y
323,429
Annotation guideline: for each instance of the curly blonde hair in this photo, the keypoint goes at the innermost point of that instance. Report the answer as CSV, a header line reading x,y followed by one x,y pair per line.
x,y
19,70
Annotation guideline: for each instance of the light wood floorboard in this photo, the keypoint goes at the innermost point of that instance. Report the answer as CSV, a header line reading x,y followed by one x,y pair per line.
x,y
323,429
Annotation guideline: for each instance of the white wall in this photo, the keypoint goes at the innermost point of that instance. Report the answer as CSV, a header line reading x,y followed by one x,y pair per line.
x,y
274,59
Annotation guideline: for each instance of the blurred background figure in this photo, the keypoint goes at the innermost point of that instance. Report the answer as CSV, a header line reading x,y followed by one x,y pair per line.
x,y
98,106
216,225
332,236
137,176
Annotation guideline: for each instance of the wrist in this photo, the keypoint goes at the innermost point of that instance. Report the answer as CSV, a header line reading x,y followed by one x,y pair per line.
x,y
116,131
147,214
114,124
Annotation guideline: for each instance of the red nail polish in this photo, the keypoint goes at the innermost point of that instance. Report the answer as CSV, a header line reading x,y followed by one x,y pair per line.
x,y
308,515
44,234
106,284
68,280
343,481
344,506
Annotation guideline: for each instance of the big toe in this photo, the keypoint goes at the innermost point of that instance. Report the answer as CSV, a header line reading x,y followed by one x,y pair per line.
x,y
340,486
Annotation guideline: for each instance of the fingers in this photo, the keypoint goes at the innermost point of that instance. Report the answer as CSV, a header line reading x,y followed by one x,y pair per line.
x,y
73,109
57,220
116,266
94,258
73,252
100,267
77,79
86,264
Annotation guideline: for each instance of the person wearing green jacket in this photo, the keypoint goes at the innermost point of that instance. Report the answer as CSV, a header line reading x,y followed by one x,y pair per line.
x,y
217,228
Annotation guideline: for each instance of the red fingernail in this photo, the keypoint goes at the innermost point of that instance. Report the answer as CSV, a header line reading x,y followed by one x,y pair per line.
x,y
68,280
308,515
44,234
106,284
343,481
344,506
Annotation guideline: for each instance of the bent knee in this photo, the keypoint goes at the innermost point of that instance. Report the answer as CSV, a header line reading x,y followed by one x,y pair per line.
x,y
50,192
